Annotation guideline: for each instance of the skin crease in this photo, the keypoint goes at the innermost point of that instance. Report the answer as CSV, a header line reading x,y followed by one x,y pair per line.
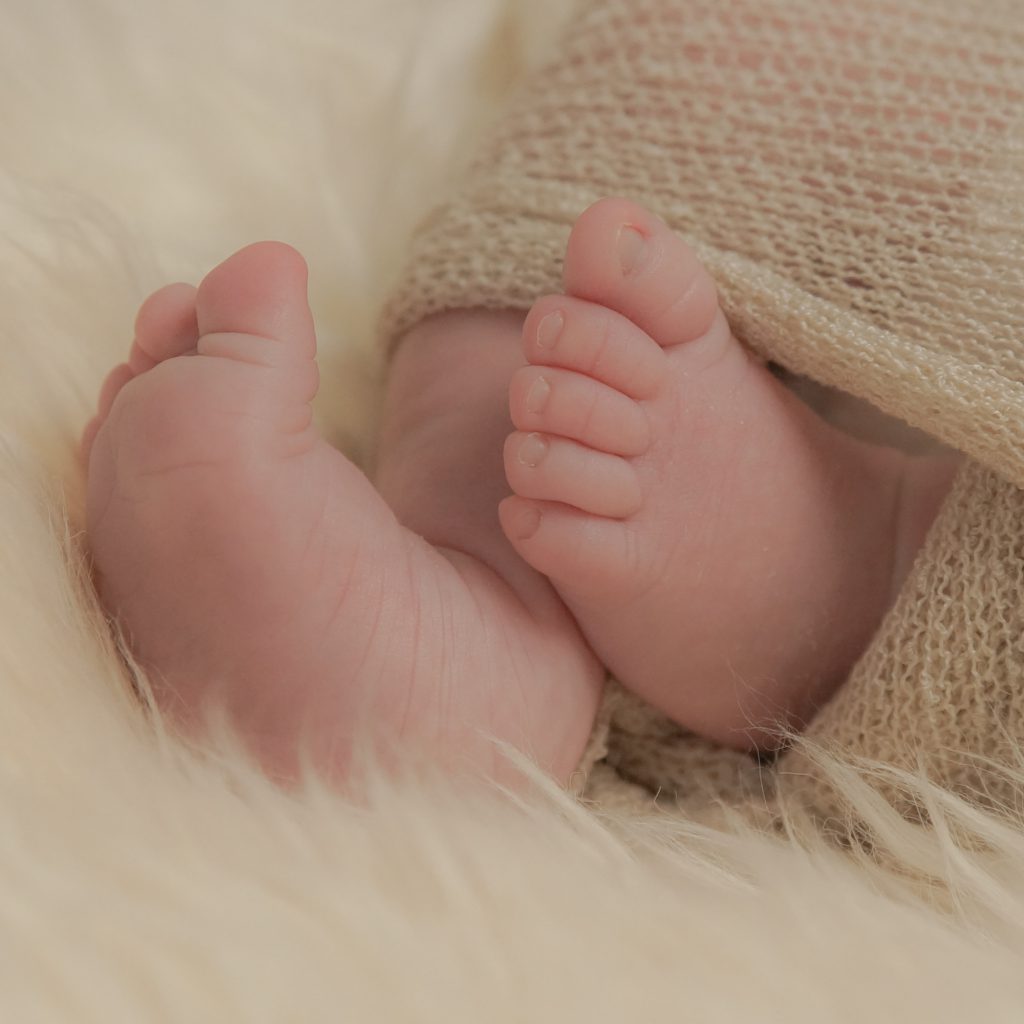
x,y
654,470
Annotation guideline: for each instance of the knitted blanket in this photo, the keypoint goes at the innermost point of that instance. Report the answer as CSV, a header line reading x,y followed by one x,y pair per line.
x,y
851,174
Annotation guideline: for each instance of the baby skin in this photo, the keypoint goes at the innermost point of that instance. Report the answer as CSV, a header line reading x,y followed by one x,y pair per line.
x,y
676,517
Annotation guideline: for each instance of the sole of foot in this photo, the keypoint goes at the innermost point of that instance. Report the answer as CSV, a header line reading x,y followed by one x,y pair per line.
x,y
257,571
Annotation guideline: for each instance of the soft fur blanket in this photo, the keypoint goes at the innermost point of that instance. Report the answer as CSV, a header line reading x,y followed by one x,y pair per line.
x,y
141,881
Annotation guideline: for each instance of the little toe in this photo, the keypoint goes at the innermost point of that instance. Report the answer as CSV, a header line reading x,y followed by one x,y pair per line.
x,y
165,327
253,307
89,432
587,337
109,390
622,256
576,551
550,400
552,468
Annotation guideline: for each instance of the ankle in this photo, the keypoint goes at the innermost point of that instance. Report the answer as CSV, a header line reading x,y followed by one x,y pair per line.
x,y
445,420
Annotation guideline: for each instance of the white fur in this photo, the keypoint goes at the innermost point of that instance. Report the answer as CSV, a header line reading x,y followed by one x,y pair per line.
x,y
142,142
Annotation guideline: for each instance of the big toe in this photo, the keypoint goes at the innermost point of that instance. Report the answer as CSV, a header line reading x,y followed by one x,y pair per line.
x,y
622,256
260,292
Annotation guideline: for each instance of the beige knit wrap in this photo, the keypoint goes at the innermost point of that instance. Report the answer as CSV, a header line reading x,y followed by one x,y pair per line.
x,y
852,173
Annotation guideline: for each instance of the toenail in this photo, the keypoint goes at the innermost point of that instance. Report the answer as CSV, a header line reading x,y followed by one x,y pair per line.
x,y
631,244
549,329
537,396
532,450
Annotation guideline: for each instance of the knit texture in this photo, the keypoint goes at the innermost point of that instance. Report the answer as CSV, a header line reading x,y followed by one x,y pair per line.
x,y
852,174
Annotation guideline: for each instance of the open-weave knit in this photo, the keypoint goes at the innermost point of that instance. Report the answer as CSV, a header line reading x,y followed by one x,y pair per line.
x,y
852,173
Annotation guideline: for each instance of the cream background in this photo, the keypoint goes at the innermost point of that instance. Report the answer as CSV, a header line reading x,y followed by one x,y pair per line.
x,y
142,142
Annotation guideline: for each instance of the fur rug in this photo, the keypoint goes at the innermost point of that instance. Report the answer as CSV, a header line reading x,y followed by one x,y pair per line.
x,y
141,881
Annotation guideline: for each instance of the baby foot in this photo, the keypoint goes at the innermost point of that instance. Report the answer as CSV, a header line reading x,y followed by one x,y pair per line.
x,y
725,551
254,566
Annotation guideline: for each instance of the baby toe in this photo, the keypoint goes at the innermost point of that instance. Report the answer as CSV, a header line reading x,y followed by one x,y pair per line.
x,y
165,327
109,390
621,256
253,311
579,552
550,468
550,400
572,334
253,307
